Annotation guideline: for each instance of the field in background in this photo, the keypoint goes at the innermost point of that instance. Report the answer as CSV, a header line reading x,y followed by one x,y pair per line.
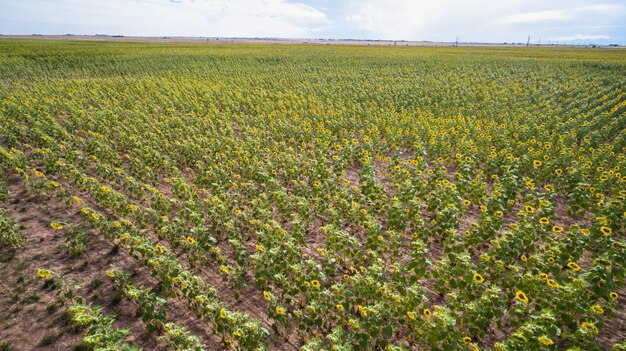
x,y
185,196
292,41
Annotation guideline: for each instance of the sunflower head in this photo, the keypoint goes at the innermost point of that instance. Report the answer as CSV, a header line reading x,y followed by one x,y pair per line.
x,y
597,309
573,266
545,340
426,313
478,278
521,296
552,283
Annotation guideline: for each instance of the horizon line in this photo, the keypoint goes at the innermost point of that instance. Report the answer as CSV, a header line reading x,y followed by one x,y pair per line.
x,y
117,37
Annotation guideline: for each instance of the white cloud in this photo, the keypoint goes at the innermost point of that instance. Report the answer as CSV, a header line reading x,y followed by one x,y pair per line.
x,y
482,20
581,37
536,16
408,19
436,20
556,15
245,18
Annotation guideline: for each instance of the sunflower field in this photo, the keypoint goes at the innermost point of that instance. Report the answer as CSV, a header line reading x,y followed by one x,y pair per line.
x,y
295,197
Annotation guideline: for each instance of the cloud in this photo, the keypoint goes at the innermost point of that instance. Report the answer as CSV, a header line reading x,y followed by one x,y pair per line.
x,y
581,37
241,18
537,16
435,20
483,20
557,15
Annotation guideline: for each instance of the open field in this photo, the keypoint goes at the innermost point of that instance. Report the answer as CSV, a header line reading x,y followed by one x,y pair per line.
x,y
288,41
210,197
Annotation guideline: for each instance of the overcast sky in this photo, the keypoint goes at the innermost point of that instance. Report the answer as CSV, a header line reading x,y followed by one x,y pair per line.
x,y
601,21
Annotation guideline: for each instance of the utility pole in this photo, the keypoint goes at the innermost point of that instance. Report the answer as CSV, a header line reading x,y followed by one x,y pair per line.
x,y
456,43
528,41
539,42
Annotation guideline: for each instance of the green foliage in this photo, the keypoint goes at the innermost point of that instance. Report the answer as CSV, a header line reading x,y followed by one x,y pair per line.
x,y
372,197
10,235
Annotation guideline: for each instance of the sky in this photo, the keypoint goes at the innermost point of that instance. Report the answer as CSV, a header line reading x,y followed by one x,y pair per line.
x,y
496,21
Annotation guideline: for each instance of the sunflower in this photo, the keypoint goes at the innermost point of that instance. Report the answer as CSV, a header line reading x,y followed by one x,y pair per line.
x,y
529,209
426,313
544,220
280,310
467,339
558,171
545,340
190,240
478,278
543,276
315,283
557,229
159,248
589,327
266,295
43,273
521,296
410,315
573,266
56,226
339,307
109,273
597,309
606,230
553,283
467,202
362,310
613,295
536,163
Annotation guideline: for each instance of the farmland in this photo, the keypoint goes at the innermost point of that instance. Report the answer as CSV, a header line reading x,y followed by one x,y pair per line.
x,y
189,196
